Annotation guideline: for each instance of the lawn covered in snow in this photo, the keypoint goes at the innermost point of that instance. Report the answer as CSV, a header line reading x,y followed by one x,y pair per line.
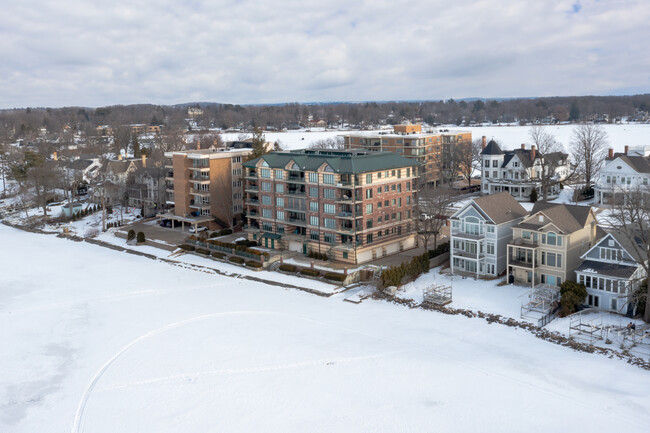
x,y
96,340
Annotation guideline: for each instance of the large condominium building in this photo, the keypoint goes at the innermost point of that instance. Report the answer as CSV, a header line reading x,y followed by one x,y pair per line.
x,y
354,206
432,150
205,186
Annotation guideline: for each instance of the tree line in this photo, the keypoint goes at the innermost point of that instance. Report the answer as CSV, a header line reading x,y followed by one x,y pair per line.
x,y
26,123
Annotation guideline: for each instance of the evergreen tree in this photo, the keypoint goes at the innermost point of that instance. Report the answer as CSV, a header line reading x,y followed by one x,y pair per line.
x,y
574,112
533,195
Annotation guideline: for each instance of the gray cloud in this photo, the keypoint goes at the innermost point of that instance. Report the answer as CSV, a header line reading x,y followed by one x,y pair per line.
x,y
115,52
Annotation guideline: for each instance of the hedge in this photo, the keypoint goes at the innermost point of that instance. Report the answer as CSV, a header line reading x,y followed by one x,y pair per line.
x,y
223,232
318,256
288,268
335,276
236,259
218,255
253,264
236,247
247,243
440,249
396,275
203,251
187,247
310,272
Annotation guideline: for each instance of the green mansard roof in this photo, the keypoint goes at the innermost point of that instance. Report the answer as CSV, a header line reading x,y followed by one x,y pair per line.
x,y
342,162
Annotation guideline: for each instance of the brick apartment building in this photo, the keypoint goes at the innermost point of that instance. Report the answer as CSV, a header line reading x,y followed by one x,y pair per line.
x,y
429,149
205,186
354,206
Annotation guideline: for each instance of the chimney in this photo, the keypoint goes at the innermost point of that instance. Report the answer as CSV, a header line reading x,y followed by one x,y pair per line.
x,y
627,149
55,156
483,142
611,153
523,146
532,153
144,161
119,157
198,145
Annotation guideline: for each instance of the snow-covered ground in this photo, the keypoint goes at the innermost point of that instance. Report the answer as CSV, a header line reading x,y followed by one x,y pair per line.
x,y
101,341
510,137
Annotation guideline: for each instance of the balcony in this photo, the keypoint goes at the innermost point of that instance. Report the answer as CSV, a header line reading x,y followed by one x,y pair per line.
x,y
346,215
457,252
345,229
297,222
199,192
520,262
523,243
457,233
252,202
295,179
251,188
296,192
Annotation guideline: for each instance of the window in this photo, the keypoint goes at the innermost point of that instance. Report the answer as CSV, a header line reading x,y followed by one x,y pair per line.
x,y
330,223
266,213
236,159
495,163
392,187
369,224
369,208
551,239
490,248
280,215
525,234
369,238
399,174
265,172
329,193
313,177
379,204
267,227
279,201
385,188
313,235
379,190
386,203
369,178
279,174
487,163
329,179
329,237
313,191
313,220
329,208
369,193
266,186
266,199
490,229
313,206
279,187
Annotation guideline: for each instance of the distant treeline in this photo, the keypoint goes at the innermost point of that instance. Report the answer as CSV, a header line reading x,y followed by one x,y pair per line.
x,y
27,122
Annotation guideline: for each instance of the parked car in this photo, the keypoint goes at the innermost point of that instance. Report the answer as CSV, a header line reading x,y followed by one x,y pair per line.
x,y
198,229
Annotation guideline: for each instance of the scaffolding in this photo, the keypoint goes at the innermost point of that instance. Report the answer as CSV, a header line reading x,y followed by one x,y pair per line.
x,y
543,302
437,294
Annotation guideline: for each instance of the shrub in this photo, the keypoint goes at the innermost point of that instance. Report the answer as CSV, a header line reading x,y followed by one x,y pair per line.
x,y
203,251
130,235
187,247
223,232
335,276
317,255
310,272
218,255
140,237
236,259
253,264
288,268
247,243
396,275
571,295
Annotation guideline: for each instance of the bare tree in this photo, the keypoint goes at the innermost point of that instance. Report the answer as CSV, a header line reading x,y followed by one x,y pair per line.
x,y
171,141
34,172
469,155
588,148
630,215
432,209
328,143
551,156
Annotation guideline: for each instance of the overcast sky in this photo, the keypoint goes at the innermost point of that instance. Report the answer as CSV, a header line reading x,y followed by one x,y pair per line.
x,y
96,52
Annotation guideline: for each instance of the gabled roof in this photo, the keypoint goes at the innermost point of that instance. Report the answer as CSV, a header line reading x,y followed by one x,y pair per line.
x,y
492,148
343,162
501,207
628,246
640,164
566,217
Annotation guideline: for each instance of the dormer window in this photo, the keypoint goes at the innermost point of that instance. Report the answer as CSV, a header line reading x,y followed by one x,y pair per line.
x,y
541,218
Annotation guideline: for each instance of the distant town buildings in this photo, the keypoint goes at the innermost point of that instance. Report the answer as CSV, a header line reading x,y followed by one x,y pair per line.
x,y
623,172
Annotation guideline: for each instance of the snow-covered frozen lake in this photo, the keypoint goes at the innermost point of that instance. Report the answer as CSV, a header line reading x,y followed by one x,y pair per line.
x,y
95,340
510,137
